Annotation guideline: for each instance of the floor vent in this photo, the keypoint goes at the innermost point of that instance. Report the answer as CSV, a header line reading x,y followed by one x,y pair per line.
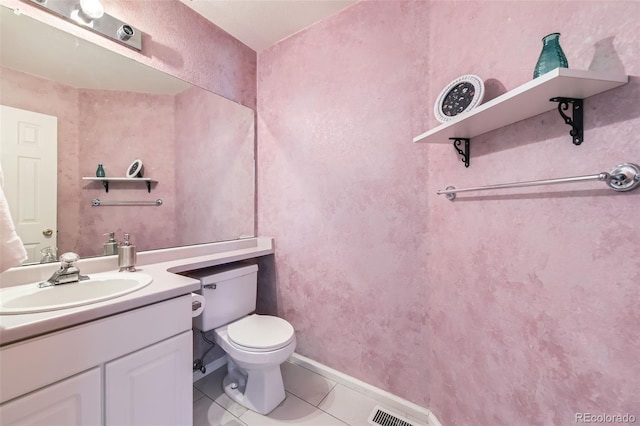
x,y
383,417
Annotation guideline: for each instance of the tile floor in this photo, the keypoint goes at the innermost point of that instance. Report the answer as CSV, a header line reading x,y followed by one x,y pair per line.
x,y
312,400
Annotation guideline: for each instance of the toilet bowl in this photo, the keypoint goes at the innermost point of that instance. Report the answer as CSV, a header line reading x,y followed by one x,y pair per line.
x,y
255,345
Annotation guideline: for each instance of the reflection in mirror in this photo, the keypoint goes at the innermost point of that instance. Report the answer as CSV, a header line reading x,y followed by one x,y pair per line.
x,y
103,108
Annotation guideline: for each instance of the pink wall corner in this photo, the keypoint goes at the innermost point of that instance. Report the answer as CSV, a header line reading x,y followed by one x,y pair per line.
x,y
341,188
501,310
176,40
20,90
148,136
213,136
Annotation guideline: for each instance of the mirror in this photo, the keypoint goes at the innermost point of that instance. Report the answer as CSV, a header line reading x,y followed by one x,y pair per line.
x,y
195,146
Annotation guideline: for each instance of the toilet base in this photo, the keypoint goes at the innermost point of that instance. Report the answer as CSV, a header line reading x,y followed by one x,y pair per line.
x,y
259,390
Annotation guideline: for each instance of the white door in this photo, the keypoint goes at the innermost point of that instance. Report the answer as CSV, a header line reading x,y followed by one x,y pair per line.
x,y
74,401
152,386
29,155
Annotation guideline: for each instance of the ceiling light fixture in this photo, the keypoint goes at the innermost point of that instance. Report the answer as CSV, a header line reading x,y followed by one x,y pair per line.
x,y
90,14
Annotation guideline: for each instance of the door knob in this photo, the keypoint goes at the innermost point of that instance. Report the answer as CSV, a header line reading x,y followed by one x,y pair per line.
x,y
47,232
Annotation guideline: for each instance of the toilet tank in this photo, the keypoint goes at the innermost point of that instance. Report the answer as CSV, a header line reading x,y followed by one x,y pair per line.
x,y
229,291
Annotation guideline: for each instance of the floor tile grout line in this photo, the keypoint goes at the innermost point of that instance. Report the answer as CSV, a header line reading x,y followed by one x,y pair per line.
x,y
205,396
337,418
307,402
297,396
291,393
220,405
318,406
313,373
332,388
325,397
246,410
198,399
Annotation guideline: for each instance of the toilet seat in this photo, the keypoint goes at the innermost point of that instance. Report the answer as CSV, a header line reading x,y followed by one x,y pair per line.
x,y
260,333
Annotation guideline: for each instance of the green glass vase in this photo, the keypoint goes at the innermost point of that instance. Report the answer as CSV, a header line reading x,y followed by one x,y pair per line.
x,y
551,57
100,171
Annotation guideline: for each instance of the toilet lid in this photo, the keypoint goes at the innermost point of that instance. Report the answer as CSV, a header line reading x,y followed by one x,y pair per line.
x,y
262,332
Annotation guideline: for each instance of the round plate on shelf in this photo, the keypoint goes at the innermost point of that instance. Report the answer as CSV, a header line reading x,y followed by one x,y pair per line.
x,y
135,169
459,97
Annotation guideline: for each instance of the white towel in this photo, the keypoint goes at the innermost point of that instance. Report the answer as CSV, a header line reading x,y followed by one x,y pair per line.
x,y
12,252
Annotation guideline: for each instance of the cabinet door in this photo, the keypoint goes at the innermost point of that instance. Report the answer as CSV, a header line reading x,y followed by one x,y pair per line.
x,y
152,386
73,401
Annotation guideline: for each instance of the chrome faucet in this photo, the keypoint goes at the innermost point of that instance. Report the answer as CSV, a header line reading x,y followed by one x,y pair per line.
x,y
68,272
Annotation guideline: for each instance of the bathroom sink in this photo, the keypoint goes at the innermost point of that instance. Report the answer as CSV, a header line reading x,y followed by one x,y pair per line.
x,y
29,298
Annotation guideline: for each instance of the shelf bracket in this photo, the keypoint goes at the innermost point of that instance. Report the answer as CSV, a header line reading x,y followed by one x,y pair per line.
x,y
576,123
464,154
105,183
148,186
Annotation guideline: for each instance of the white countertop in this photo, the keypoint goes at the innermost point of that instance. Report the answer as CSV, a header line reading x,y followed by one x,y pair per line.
x,y
163,265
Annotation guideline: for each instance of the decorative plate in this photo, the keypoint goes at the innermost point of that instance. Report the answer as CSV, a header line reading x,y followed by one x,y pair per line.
x,y
135,169
460,96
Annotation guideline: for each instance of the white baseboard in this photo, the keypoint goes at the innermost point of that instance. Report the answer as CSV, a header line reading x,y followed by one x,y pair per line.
x,y
210,368
400,405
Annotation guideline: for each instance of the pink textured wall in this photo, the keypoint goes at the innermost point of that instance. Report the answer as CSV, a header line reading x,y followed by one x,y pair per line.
x,y
24,91
513,308
214,154
150,136
177,41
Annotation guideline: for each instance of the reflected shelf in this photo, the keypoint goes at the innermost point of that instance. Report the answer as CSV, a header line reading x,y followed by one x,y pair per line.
x,y
105,181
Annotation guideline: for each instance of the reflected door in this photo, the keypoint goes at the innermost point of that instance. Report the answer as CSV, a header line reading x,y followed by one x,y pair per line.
x,y
29,155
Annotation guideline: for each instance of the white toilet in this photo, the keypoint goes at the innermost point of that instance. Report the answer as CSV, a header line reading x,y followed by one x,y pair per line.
x,y
256,345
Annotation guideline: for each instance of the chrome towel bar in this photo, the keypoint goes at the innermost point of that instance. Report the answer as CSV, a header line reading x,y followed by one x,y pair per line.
x,y
623,177
97,203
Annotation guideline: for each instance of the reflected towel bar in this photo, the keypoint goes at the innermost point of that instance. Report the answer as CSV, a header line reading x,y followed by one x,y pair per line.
x,y
96,203
623,177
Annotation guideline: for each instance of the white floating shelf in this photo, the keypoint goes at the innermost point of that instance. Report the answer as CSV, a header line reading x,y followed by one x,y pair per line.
x,y
122,179
105,181
528,100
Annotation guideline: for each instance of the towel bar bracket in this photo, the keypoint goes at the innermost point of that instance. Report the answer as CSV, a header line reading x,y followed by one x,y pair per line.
x,y
464,154
450,195
576,120
624,177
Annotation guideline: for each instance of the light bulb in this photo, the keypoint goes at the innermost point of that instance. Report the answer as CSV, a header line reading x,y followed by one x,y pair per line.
x,y
92,9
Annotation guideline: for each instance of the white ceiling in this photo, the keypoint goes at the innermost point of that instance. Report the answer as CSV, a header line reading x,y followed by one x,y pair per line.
x,y
262,23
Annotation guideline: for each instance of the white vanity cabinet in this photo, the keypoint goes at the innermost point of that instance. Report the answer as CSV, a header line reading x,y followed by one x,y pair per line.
x,y
148,387
73,401
132,368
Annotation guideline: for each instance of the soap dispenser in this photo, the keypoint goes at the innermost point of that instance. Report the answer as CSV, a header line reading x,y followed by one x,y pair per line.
x,y
127,255
111,246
